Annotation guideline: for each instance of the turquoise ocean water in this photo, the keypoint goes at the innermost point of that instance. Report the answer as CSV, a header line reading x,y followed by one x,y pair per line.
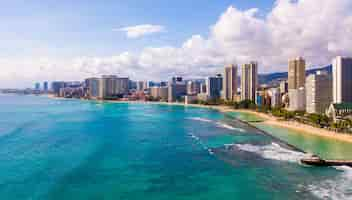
x,y
79,150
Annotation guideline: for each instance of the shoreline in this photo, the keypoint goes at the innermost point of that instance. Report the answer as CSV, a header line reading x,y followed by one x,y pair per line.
x,y
300,128
267,119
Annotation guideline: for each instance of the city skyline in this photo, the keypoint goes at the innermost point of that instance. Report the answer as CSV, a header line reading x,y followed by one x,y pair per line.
x,y
149,48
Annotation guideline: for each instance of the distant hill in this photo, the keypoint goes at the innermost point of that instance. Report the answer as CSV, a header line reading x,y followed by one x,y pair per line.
x,y
274,78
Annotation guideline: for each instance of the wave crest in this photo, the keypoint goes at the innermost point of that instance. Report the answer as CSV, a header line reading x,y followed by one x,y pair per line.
x,y
218,124
338,188
273,152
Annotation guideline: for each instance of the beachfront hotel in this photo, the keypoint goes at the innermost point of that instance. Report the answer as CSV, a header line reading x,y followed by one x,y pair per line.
x,y
342,79
230,83
193,87
296,84
177,89
318,92
159,92
249,81
214,86
92,85
111,86
296,73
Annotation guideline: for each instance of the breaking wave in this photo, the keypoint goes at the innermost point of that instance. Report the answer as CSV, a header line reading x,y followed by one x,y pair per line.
x,y
338,188
272,151
222,125
218,124
200,119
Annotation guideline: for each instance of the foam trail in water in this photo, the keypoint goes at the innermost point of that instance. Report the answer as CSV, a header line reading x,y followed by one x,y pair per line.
x,y
338,188
273,152
218,124
197,139
200,119
222,125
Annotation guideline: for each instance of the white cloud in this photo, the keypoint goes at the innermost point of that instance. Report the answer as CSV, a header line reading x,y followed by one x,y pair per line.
x,y
142,30
317,30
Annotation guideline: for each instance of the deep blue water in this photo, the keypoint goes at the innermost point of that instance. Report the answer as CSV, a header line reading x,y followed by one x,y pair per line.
x,y
80,150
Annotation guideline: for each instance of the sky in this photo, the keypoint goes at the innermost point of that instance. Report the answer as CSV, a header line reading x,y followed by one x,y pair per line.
x,y
154,40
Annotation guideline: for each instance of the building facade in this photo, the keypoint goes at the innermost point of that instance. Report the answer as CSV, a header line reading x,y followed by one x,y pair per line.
x,y
37,86
342,80
111,86
46,86
56,86
159,92
140,85
296,73
177,89
297,99
214,86
92,85
230,83
284,87
275,94
193,87
318,92
249,81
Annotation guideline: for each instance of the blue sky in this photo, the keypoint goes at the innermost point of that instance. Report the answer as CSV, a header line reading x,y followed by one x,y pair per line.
x,y
156,39
85,28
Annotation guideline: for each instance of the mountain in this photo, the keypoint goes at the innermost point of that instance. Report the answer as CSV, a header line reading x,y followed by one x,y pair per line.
x,y
275,78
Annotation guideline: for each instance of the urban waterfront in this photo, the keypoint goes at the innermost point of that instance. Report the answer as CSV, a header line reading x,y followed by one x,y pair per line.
x,y
72,149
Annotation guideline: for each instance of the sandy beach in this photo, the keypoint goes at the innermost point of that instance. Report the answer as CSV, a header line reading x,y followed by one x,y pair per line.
x,y
299,127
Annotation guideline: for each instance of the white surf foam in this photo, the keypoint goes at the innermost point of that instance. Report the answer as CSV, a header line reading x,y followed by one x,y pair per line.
x,y
272,152
222,125
200,119
205,147
218,124
338,188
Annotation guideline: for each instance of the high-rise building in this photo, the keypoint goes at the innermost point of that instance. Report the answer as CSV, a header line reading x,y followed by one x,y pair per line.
x,y
177,89
159,92
56,86
214,86
342,80
107,86
37,86
230,83
297,99
318,92
284,87
45,86
92,85
140,85
122,85
249,81
132,85
193,87
296,73
203,88
275,94
163,84
111,86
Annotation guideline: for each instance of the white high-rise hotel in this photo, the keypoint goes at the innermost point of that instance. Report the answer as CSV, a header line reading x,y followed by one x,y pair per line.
x,y
342,80
249,81
230,83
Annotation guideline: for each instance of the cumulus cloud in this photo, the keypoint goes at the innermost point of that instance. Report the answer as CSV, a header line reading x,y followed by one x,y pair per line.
x,y
317,30
141,30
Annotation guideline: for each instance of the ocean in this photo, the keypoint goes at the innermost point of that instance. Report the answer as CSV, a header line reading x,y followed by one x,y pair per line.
x,y
84,150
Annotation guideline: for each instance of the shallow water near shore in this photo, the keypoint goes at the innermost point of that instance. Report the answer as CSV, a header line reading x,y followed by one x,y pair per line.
x,y
69,149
